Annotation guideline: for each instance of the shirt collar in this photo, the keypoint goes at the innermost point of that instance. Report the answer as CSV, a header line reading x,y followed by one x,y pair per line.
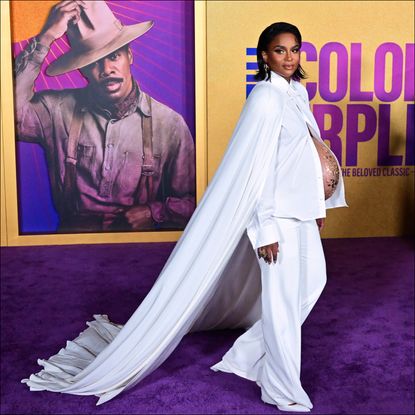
x,y
289,87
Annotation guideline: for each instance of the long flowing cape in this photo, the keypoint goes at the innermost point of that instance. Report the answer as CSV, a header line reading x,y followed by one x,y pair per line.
x,y
107,358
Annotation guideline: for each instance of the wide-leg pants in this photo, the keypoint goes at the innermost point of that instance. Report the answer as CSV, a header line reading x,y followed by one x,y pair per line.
x,y
269,352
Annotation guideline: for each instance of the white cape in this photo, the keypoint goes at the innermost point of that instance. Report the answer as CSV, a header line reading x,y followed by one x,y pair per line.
x,y
211,279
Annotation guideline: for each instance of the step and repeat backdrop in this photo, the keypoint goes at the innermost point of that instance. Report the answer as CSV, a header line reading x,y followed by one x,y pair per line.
x,y
359,58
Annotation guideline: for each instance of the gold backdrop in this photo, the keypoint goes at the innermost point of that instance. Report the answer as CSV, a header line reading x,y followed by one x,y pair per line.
x,y
378,205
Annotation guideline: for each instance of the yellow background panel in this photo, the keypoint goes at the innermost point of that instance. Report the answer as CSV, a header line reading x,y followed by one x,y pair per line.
x,y
378,206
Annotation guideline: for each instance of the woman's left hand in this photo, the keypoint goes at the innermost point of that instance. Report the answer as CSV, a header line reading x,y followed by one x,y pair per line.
x,y
269,252
320,223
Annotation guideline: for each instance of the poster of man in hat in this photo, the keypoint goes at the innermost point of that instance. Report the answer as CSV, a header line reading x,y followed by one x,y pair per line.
x,y
118,159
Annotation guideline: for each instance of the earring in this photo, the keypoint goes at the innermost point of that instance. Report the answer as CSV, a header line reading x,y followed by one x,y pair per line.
x,y
266,67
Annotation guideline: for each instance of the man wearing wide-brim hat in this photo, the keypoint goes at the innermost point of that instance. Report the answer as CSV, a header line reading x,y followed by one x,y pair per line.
x,y
117,158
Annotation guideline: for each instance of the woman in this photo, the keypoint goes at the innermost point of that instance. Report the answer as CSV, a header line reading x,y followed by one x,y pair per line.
x,y
269,184
284,230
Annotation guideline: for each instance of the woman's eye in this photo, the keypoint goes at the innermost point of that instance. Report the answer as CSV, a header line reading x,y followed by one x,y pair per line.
x,y
279,51
296,50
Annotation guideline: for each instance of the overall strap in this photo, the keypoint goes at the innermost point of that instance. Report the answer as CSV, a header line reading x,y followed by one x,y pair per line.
x,y
148,159
69,182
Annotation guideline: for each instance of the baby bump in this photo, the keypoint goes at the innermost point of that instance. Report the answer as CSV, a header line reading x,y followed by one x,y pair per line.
x,y
329,167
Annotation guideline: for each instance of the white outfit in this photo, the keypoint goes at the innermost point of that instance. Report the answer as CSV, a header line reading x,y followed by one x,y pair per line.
x,y
212,279
293,197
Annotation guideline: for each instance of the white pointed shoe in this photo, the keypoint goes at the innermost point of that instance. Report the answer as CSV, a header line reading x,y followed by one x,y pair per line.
x,y
288,408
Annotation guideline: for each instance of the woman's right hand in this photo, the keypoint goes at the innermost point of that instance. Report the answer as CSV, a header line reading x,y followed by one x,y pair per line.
x,y
269,252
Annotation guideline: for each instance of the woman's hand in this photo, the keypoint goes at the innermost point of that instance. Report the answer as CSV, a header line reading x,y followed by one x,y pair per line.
x,y
320,223
269,252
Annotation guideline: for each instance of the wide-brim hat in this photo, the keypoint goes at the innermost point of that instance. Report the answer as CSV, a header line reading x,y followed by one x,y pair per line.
x,y
97,34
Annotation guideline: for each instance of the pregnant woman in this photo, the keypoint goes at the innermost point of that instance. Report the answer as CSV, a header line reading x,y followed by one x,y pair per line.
x,y
251,255
285,228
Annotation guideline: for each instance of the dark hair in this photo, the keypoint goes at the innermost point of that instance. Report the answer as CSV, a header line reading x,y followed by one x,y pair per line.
x,y
265,39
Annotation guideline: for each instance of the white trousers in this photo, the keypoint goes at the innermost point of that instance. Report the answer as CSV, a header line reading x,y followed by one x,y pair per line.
x,y
269,352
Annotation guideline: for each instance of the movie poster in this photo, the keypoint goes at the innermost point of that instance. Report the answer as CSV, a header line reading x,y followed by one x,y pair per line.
x,y
132,165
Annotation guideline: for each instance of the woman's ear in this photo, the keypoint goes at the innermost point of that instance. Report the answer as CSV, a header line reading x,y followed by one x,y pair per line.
x,y
264,56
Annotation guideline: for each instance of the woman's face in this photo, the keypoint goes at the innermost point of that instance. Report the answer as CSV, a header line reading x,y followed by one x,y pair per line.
x,y
283,55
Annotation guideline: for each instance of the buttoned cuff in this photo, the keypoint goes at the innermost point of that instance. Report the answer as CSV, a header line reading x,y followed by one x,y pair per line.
x,y
265,235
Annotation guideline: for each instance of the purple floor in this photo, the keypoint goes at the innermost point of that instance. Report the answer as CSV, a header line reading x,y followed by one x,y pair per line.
x,y
357,355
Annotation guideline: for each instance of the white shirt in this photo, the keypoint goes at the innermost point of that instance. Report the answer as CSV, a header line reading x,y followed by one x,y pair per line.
x,y
294,187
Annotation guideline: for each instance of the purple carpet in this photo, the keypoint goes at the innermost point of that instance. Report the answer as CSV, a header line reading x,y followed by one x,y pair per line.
x,y
358,345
